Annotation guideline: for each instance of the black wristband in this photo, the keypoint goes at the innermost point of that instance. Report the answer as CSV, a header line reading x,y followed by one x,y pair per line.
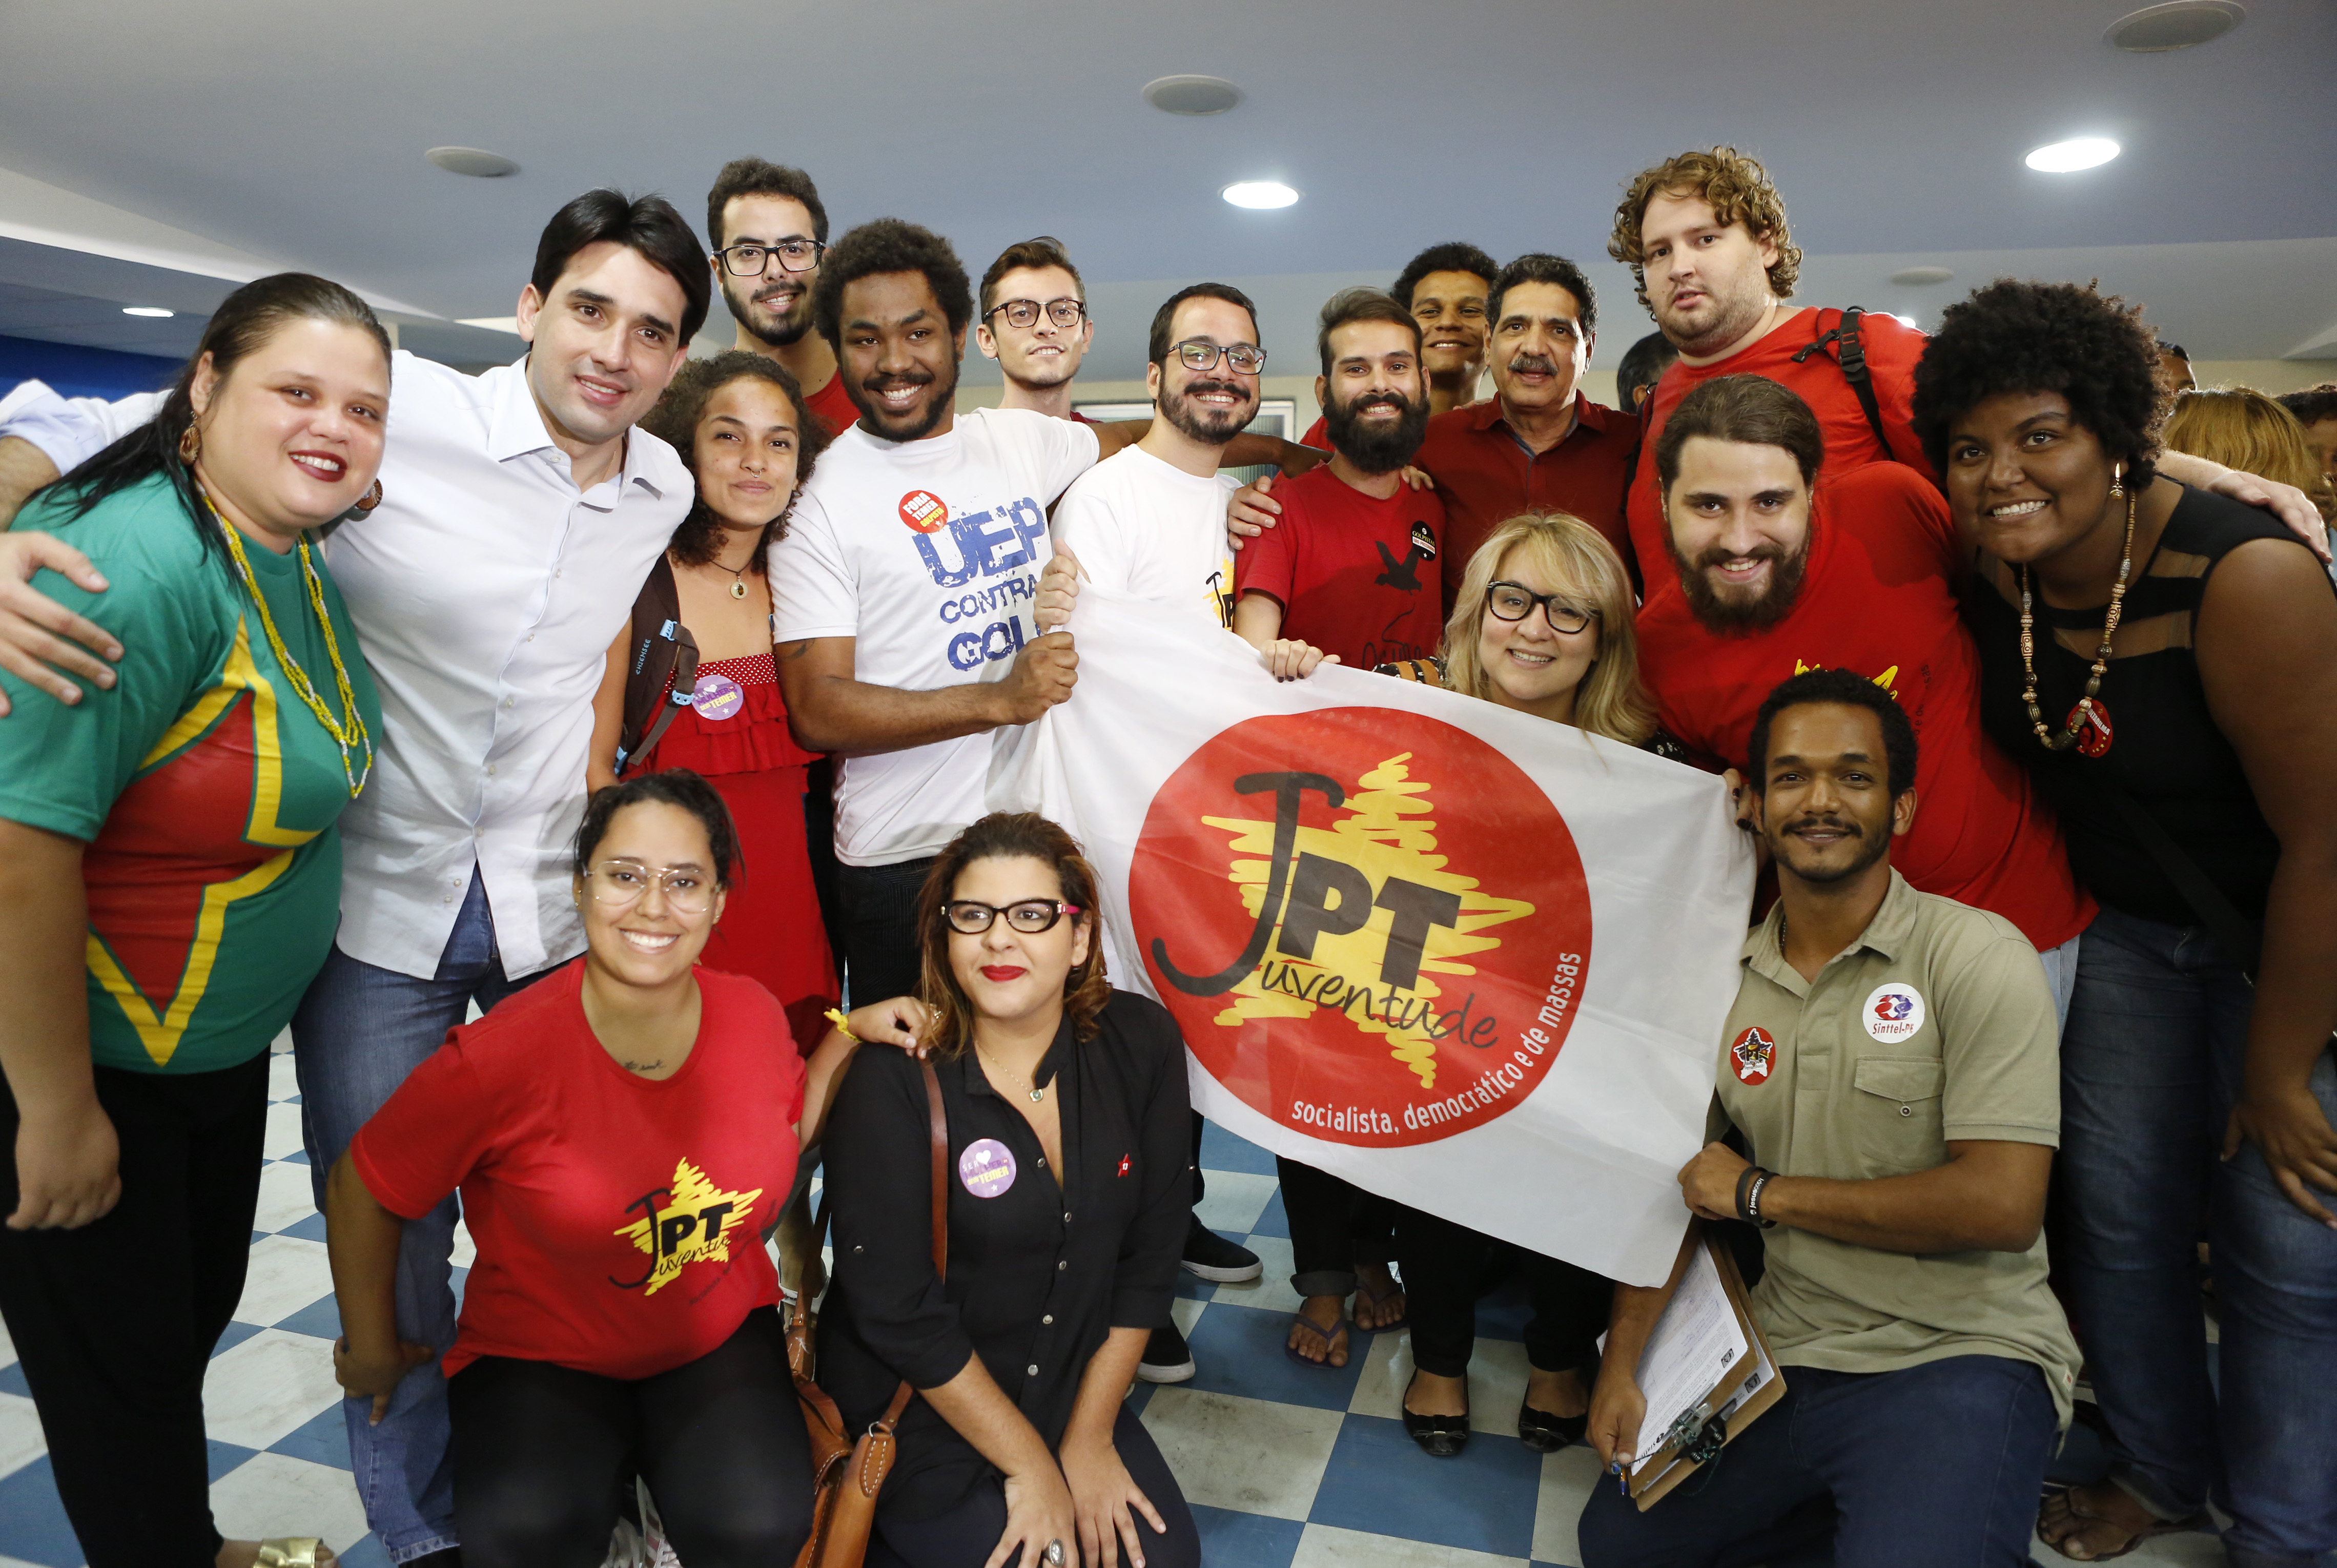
x,y
1753,1200
1745,1179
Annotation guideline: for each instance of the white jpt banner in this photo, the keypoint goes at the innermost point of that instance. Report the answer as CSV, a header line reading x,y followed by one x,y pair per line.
x,y
1475,961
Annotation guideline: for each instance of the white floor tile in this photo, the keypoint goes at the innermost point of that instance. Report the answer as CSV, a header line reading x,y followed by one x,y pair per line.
x,y
1567,1479
283,1132
264,1388
1497,1381
1184,1311
464,1254
287,1196
282,1044
283,1079
1328,1546
1271,1290
1235,1200
1247,1455
273,1495
17,1562
21,1441
287,1274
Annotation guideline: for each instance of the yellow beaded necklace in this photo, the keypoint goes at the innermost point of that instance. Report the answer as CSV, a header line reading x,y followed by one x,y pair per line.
x,y
352,734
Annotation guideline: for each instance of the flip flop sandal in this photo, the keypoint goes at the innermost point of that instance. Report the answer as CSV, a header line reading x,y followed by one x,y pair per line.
x,y
1328,1342
292,1552
2067,1498
1373,1298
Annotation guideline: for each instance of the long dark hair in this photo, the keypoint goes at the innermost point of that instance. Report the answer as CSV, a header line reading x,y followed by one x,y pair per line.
x,y
696,538
244,322
1003,835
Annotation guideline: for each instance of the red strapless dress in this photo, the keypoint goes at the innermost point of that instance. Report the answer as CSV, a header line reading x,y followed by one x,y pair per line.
x,y
771,930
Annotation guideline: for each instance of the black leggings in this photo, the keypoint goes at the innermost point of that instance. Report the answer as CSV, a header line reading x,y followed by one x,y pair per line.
x,y
967,1536
1443,1264
541,1451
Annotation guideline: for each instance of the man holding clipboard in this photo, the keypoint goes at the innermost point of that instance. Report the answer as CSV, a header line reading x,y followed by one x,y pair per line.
x,y
1893,1058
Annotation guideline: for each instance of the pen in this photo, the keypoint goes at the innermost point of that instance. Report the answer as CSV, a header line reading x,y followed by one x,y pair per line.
x,y
1622,1481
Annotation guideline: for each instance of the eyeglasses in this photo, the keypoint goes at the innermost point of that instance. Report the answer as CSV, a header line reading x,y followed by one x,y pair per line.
x,y
1063,312
1028,916
1246,357
620,884
749,260
1512,601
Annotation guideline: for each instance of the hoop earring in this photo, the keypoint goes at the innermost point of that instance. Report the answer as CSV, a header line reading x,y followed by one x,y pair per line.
x,y
190,444
371,498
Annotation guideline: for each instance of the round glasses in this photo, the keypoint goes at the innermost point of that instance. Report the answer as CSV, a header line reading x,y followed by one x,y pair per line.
x,y
1064,312
1513,601
620,884
1028,916
1246,357
748,261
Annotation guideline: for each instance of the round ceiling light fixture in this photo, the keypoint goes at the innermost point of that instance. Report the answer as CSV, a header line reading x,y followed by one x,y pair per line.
x,y
154,311
1259,193
2069,157
1193,96
2177,24
474,162
1921,277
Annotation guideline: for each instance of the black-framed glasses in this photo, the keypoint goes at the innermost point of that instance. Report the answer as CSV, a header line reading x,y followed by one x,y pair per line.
x,y
1064,311
621,884
1515,602
749,260
1246,357
1028,916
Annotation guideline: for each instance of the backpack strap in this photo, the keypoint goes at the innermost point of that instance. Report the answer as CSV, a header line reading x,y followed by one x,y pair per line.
x,y
661,674
1851,354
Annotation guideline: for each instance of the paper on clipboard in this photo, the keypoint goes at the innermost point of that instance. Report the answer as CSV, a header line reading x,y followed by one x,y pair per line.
x,y
1697,1343
1737,1397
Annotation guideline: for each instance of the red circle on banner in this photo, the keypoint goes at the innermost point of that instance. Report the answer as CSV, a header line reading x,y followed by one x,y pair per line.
x,y
1372,941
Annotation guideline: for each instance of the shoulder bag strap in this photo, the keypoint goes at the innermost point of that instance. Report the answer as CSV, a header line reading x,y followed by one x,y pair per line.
x,y
937,1122
2238,936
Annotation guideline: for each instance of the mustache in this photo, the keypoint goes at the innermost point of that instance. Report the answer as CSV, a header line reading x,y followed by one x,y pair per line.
x,y
1541,364
1719,556
779,291
909,378
1843,825
1230,388
1395,402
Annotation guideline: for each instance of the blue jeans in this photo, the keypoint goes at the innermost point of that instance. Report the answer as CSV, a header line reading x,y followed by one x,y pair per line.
x,y
2151,1064
1936,1466
359,1031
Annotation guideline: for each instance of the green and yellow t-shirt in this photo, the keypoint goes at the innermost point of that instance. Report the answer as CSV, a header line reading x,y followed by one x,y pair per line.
x,y
206,790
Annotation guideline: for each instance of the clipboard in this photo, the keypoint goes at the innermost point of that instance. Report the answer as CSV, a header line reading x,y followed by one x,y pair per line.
x,y
1737,1397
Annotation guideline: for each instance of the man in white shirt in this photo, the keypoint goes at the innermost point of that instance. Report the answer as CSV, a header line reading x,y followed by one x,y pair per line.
x,y
520,511
1034,323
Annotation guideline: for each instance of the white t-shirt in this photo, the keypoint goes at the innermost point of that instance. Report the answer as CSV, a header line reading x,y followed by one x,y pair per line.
x,y
927,553
1146,528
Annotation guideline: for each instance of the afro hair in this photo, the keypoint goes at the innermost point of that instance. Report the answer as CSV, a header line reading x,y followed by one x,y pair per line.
x,y
2092,348
889,245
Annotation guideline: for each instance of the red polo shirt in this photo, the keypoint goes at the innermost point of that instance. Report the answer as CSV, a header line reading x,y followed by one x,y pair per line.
x,y
1879,599
1891,349
1486,477
831,406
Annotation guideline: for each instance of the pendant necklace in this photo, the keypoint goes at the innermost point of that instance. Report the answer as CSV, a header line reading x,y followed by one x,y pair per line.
x,y
1034,1093
2088,728
738,578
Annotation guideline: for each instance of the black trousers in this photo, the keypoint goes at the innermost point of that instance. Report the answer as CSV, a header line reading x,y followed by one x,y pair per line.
x,y
1443,1264
880,929
115,1322
541,1451
1334,1226
967,1536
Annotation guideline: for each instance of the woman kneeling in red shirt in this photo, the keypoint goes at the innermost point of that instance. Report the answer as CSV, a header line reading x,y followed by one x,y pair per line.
x,y
623,1133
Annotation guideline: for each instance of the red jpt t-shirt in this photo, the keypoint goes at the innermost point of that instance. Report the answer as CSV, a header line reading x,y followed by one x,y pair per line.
x,y
1355,575
1879,599
832,406
618,1219
1891,349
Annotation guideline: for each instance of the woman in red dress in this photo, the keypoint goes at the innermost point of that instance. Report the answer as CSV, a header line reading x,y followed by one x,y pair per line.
x,y
739,422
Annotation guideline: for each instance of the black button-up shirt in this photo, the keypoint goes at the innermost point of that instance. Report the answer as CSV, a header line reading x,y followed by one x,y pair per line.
x,y
1039,1273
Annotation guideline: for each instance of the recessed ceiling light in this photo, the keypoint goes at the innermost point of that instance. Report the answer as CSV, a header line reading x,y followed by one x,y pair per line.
x,y
1192,94
477,162
1259,193
2068,157
1921,277
156,311
2178,25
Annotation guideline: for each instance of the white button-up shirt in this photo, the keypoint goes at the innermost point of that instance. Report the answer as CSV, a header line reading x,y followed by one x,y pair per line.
x,y
486,589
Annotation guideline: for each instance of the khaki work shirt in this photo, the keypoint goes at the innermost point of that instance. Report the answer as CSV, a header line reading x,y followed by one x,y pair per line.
x,y
1935,1024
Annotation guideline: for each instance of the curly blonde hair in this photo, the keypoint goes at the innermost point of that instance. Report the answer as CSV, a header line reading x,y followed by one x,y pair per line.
x,y
1006,835
1738,191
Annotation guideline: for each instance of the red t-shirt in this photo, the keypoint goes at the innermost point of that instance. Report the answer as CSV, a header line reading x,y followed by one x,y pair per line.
x,y
1486,478
1355,576
832,406
1891,349
618,1219
1879,599
1318,435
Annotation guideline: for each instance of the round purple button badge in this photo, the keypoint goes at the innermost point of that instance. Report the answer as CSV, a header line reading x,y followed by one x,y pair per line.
x,y
986,1167
717,697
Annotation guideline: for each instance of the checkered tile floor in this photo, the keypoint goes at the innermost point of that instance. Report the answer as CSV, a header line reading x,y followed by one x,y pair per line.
x,y
1285,1466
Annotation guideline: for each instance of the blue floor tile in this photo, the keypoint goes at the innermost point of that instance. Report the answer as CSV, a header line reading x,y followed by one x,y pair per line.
x,y
297,1157
237,1333
225,1456
33,1527
1221,1150
1273,1220
12,1381
1379,1481
1238,1350
322,1439
321,1319
1231,1540
311,1229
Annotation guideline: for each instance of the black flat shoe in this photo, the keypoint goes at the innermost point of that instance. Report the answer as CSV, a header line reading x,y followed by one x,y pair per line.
x,y
1441,1437
1546,1434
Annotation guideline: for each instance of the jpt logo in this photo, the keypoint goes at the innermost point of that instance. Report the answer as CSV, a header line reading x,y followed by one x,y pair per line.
x,y
690,1222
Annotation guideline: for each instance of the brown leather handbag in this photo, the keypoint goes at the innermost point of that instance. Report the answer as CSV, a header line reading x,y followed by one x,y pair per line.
x,y
848,1472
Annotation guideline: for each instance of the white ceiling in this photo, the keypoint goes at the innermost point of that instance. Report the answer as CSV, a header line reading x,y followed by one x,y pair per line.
x,y
282,132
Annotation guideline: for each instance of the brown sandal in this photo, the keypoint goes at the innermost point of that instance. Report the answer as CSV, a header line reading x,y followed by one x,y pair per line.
x,y
2067,1497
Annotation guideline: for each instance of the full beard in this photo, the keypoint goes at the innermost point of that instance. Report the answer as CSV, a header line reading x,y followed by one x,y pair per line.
x,y
1209,426
1373,446
1737,616
940,398
763,325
